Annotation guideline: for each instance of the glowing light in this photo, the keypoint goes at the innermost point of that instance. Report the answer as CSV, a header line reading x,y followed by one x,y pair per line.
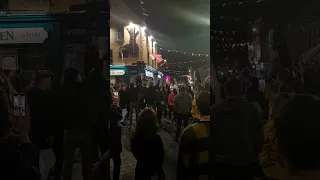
x,y
144,28
150,37
131,25
155,42
254,29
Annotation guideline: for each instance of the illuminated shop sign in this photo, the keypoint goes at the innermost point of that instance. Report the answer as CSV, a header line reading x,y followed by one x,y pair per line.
x,y
117,72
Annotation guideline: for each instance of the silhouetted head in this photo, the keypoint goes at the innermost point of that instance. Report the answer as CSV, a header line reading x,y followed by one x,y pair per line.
x,y
183,89
175,91
203,103
147,123
233,87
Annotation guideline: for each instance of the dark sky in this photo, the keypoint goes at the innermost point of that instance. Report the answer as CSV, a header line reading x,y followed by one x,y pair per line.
x,y
180,24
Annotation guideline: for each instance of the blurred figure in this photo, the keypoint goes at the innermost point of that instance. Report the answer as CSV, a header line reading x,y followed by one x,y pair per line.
x,y
19,159
269,161
115,135
133,94
73,112
194,160
41,105
124,99
147,147
170,104
237,135
150,95
183,105
194,112
160,104
165,94
297,133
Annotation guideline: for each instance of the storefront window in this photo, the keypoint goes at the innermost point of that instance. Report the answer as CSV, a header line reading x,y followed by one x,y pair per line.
x,y
33,58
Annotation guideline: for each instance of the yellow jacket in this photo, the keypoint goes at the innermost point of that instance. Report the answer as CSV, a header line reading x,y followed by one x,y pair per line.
x,y
194,111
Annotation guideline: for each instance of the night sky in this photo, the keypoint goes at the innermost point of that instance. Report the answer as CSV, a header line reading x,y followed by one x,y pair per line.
x,y
180,24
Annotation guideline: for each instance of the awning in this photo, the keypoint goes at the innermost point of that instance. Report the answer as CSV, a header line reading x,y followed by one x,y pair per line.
x,y
158,58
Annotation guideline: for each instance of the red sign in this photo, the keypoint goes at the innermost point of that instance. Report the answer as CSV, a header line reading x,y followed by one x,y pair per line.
x,y
158,58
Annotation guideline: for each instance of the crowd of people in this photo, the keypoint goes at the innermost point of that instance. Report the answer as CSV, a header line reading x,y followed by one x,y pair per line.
x,y
230,139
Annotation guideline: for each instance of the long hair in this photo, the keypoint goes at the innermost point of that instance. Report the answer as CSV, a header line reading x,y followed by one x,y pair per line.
x,y
146,123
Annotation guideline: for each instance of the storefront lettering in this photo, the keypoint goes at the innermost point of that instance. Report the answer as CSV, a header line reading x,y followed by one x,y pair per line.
x,y
23,35
6,35
31,34
117,72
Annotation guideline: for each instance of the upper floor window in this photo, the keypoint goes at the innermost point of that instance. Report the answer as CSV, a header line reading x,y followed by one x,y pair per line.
x,y
120,33
4,4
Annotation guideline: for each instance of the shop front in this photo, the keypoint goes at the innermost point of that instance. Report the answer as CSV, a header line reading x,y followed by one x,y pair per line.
x,y
156,77
119,75
30,43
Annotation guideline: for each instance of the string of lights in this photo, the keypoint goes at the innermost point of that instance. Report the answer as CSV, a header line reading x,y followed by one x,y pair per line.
x,y
224,32
239,3
186,62
186,53
238,44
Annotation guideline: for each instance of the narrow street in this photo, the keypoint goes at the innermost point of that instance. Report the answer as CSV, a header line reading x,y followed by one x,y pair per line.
x,y
129,162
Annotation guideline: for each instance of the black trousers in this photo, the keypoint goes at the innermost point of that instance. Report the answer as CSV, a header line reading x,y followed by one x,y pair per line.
x,y
116,165
159,113
100,142
170,112
181,118
229,172
58,153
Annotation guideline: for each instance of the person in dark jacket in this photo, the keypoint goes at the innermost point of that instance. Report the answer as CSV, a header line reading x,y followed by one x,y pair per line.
x,y
237,135
19,159
183,105
116,146
147,147
124,99
41,103
165,93
73,112
150,96
160,102
133,94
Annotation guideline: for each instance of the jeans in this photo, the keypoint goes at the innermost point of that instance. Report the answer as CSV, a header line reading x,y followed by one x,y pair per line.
x,y
73,139
180,118
134,106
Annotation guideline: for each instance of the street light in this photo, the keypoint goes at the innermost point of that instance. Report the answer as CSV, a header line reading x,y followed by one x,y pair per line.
x,y
131,25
